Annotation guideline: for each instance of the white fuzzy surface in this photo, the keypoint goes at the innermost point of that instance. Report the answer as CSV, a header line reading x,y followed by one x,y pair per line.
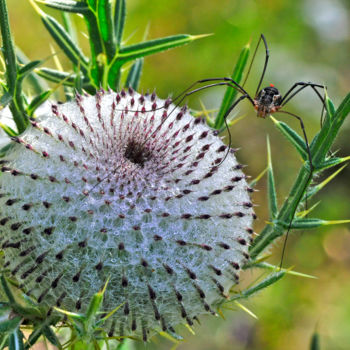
x,y
148,199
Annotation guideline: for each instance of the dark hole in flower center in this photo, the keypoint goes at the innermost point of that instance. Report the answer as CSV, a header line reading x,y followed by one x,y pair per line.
x,y
137,153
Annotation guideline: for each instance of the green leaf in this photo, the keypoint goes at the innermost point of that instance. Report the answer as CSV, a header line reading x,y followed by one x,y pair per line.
x,y
244,308
66,5
268,281
51,336
8,48
104,14
16,340
102,320
309,223
5,99
119,20
8,130
231,93
10,325
253,183
56,76
37,101
272,196
325,138
3,341
132,52
329,106
36,82
134,75
72,315
69,26
95,72
315,189
293,137
13,88
7,289
315,342
28,68
95,303
329,163
33,337
63,40
265,265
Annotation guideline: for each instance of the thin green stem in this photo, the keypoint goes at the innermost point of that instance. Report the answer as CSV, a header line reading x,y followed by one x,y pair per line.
x,y
321,145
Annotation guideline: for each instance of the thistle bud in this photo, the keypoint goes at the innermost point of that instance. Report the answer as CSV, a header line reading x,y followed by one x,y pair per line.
x,y
132,189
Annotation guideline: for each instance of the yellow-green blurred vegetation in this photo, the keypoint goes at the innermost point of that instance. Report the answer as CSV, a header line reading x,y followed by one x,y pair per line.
x,y
309,40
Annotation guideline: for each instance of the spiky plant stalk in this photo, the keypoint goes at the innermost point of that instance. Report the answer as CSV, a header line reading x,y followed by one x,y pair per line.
x,y
120,211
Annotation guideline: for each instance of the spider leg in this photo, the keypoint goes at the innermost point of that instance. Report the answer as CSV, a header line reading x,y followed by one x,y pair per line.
x,y
307,182
267,56
188,93
241,98
301,86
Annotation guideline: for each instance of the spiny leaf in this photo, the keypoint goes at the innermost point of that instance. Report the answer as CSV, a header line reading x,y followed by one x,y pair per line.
x,y
190,329
63,40
245,309
134,75
66,5
37,101
10,325
303,213
16,340
12,86
329,163
56,76
5,99
96,47
132,52
309,223
269,280
34,80
170,337
272,196
110,314
325,138
73,315
104,15
329,105
315,189
51,336
7,290
8,48
69,26
268,266
231,92
119,20
253,183
95,303
28,68
8,130
293,137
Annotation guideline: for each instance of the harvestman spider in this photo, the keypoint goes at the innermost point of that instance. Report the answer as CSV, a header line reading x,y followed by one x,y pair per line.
x,y
266,102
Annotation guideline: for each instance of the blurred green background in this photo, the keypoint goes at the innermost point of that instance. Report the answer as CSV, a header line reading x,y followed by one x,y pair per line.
x,y
309,40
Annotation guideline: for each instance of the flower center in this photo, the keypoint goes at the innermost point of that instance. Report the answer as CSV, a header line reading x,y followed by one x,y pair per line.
x,y
137,153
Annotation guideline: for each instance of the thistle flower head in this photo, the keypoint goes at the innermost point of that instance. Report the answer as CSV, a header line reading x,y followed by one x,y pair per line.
x,y
130,188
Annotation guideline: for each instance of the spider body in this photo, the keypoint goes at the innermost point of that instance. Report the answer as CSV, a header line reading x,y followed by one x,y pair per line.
x,y
268,101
